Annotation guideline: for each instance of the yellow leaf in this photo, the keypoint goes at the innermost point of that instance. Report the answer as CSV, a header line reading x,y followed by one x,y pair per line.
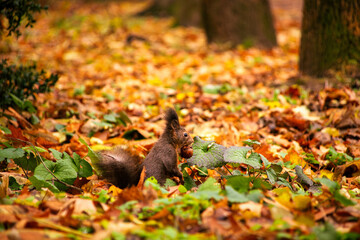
x,y
180,96
295,158
326,173
284,197
100,147
155,81
115,190
301,202
331,131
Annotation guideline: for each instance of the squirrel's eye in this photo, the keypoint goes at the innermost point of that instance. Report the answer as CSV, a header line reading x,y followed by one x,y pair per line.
x,y
185,134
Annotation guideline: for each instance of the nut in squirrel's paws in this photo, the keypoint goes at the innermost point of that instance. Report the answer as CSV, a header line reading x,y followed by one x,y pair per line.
x,y
186,151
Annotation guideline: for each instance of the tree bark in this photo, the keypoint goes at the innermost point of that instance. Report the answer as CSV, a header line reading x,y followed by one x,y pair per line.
x,y
330,36
185,12
239,22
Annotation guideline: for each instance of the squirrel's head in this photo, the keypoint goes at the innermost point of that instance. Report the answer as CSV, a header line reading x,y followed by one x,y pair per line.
x,y
178,134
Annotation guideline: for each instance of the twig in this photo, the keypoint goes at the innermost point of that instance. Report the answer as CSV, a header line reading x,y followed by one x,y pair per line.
x,y
42,161
25,172
227,169
195,175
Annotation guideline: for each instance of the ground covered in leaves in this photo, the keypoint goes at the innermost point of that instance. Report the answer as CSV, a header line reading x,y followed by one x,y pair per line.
x,y
288,158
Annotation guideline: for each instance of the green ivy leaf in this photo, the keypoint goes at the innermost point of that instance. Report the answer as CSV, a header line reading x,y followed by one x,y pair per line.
x,y
12,153
235,196
259,183
33,149
208,190
271,174
342,199
239,183
282,181
27,162
169,183
333,186
85,169
40,183
266,162
94,157
57,155
207,154
251,142
238,155
60,169
188,181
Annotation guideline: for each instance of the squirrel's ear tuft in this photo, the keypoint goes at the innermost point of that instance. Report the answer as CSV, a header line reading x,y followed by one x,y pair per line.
x,y
172,119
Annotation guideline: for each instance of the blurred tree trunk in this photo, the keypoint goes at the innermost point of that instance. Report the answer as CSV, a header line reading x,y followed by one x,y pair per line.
x,y
330,35
239,22
159,8
185,12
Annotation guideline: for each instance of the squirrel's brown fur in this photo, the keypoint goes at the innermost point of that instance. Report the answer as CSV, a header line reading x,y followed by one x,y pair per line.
x,y
123,169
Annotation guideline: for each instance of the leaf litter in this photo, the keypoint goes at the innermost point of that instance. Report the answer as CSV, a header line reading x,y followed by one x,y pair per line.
x,y
290,155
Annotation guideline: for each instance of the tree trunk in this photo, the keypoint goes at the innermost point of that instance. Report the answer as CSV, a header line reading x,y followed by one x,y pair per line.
x,y
159,8
185,12
239,22
330,36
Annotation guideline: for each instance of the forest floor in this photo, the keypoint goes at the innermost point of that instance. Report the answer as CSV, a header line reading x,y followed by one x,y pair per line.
x,y
113,89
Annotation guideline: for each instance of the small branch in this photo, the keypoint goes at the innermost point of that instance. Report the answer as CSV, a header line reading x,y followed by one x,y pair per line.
x,y
195,175
227,169
42,161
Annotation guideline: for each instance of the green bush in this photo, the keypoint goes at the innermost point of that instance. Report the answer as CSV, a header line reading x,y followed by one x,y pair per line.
x,y
17,10
21,82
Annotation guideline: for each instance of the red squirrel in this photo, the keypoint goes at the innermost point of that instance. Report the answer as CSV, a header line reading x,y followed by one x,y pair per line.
x,y
123,169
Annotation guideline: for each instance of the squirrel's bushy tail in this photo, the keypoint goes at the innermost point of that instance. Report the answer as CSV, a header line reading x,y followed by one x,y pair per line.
x,y
171,118
120,167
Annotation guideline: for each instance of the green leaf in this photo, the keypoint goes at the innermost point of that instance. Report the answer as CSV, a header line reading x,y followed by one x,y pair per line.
x,y
124,118
238,155
110,117
239,183
282,181
169,183
94,157
85,169
57,155
235,196
40,183
271,174
17,101
255,195
5,130
60,169
266,162
29,162
33,149
209,185
208,190
182,189
12,153
333,186
251,142
103,196
188,181
259,183
342,199
207,154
